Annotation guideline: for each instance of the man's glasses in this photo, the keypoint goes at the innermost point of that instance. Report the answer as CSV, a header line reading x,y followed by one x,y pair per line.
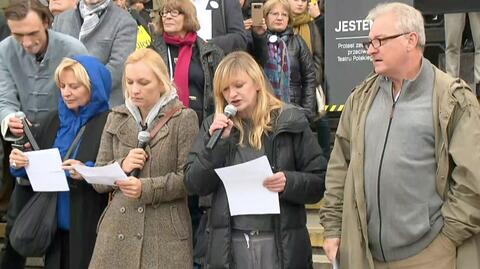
x,y
173,13
378,42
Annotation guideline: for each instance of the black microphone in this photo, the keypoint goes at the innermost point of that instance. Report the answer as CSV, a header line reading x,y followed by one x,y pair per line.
x,y
229,111
143,140
27,131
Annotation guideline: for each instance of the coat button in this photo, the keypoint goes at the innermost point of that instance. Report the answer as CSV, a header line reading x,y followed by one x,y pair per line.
x,y
121,236
139,236
122,209
140,210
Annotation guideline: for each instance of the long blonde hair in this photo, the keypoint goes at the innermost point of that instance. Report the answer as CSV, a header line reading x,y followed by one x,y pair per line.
x,y
241,62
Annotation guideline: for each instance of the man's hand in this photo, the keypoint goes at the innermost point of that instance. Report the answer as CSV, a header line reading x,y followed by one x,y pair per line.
x,y
331,245
15,126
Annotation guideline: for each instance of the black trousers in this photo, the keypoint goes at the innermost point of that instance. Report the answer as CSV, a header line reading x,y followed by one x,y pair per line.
x,y
58,254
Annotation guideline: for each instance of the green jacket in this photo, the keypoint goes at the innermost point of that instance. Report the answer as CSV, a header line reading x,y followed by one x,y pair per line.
x,y
457,145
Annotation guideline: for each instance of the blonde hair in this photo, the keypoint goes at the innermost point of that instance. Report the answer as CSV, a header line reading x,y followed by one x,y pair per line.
x,y
229,69
408,19
78,70
153,61
187,8
270,4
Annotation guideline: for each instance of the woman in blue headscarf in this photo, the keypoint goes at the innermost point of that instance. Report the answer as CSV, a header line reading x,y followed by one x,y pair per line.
x,y
85,86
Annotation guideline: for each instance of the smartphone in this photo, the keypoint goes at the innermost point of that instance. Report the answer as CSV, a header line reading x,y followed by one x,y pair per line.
x,y
257,14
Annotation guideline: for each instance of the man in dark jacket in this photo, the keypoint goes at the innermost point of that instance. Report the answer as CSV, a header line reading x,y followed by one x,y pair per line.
x,y
222,23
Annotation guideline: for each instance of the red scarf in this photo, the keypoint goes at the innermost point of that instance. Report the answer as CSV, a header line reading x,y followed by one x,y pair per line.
x,y
181,74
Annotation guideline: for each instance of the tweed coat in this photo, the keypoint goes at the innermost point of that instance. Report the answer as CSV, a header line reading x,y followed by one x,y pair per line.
x,y
153,231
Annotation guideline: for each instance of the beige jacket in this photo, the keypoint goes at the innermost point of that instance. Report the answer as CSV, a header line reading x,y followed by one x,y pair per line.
x,y
457,142
153,231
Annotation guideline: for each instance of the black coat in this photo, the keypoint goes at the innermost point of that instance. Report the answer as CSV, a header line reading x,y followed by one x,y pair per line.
x,y
86,205
228,31
302,69
291,148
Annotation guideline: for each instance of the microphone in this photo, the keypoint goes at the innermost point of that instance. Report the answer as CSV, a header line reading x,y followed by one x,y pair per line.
x,y
229,111
143,140
26,130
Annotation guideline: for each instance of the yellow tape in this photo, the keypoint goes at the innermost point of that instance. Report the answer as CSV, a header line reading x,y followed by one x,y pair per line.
x,y
334,108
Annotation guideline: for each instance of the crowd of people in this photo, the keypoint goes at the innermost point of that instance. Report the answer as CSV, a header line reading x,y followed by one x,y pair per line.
x,y
401,186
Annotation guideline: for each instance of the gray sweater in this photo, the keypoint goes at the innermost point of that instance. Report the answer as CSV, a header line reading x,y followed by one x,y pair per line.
x,y
403,206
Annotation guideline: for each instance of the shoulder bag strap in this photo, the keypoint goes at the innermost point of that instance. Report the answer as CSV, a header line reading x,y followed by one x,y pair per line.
x,y
74,144
164,120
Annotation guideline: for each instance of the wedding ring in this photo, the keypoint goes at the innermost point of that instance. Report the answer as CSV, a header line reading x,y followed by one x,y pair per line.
x,y
14,165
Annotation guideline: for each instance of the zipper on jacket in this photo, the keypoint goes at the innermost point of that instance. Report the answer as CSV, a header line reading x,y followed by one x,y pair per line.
x,y
378,180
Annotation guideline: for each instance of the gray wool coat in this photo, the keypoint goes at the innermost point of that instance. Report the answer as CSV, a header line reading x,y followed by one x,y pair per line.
x,y
112,40
153,231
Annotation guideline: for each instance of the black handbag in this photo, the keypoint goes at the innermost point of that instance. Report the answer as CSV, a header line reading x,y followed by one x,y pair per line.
x,y
35,227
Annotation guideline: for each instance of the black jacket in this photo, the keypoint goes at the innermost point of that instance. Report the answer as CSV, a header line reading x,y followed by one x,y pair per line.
x,y
228,31
86,204
292,148
317,51
210,57
302,68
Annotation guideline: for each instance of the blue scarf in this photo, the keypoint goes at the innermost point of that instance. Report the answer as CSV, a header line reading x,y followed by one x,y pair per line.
x,y
277,68
71,122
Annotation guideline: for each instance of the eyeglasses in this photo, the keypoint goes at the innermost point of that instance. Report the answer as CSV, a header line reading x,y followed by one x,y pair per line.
x,y
173,13
277,14
378,42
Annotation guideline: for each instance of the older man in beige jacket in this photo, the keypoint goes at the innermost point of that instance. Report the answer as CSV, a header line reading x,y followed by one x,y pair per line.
x,y
403,183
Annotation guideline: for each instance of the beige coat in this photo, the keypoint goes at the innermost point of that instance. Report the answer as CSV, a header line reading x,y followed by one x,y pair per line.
x,y
457,139
153,231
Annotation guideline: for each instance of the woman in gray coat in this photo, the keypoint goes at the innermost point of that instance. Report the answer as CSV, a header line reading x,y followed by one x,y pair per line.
x,y
146,224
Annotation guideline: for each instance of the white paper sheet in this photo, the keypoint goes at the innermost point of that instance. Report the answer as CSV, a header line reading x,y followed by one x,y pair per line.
x,y
45,171
245,191
105,175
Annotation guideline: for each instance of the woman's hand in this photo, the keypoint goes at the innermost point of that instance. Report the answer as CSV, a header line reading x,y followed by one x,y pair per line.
x,y
221,121
135,159
314,9
260,30
131,188
68,166
275,182
18,159
248,24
